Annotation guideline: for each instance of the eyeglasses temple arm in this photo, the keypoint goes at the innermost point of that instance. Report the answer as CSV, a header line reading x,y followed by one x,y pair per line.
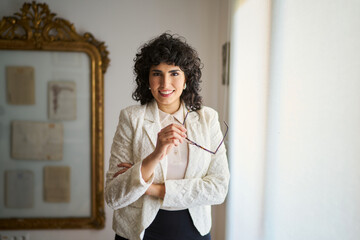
x,y
227,128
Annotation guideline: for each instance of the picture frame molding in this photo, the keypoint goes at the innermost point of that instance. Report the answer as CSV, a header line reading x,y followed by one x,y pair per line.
x,y
36,28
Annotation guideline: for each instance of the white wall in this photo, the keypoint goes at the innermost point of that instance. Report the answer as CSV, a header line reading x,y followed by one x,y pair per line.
x,y
218,211
124,26
313,182
294,148
248,103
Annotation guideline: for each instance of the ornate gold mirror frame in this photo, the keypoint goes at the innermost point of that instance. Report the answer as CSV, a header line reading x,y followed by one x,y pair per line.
x,y
35,28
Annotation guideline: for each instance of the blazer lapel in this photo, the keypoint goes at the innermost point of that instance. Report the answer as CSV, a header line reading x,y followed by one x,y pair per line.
x,y
151,122
194,133
152,127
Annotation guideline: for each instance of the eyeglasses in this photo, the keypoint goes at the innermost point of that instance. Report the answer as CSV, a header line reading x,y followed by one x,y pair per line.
x,y
195,144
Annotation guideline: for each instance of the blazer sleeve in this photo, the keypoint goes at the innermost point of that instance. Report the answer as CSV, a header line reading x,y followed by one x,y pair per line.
x,y
208,190
127,187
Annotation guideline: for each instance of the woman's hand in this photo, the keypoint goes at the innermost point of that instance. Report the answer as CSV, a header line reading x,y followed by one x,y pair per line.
x,y
155,190
171,135
124,166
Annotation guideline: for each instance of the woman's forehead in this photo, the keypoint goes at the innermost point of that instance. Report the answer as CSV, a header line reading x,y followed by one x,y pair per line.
x,y
165,66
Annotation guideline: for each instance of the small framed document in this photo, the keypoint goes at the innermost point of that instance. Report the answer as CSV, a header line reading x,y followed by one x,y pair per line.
x,y
57,184
62,100
19,189
20,85
37,140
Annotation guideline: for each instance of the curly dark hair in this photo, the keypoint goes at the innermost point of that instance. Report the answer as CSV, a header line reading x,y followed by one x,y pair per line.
x,y
170,49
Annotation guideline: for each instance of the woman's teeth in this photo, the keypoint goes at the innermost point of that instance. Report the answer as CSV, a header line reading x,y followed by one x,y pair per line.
x,y
166,92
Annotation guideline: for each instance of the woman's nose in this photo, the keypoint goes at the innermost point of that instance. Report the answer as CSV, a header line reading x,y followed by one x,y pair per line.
x,y
165,80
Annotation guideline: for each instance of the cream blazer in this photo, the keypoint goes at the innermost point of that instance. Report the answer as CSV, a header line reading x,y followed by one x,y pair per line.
x,y
206,178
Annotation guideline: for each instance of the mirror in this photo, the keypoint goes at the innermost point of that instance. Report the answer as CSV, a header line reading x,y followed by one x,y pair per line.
x,y
51,123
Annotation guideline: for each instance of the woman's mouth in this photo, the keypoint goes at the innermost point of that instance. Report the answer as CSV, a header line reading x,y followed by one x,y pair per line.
x,y
166,93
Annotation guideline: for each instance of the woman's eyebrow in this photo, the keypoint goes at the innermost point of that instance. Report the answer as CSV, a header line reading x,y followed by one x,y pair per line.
x,y
171,71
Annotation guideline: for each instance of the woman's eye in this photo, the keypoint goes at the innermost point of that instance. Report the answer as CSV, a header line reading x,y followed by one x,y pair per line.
x,y
175,74
156,74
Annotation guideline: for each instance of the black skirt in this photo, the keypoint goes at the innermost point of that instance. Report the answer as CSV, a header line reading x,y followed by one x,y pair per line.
x,y
172,225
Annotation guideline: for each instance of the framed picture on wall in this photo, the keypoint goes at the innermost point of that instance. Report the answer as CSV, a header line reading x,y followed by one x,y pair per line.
x,y
225,70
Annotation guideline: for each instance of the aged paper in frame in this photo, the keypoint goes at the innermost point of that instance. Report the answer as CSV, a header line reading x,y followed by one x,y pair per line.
x,y
57,184
62,100
20,84
19,189
37,140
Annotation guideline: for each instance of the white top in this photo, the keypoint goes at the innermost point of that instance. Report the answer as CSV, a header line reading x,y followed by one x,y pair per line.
x,y
178,155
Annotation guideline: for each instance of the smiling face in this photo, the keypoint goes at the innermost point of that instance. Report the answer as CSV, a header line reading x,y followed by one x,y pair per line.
x,y
167,84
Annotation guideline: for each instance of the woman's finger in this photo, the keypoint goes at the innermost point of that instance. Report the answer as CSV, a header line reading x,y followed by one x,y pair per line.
x,y
174,127
120,172
172,131
126,165
170,136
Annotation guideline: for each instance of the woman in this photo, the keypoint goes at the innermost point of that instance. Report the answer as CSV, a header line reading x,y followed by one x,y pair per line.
x,y
163,178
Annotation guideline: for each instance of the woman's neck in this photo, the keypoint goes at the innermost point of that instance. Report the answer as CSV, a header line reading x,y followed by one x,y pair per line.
x,y
169,109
